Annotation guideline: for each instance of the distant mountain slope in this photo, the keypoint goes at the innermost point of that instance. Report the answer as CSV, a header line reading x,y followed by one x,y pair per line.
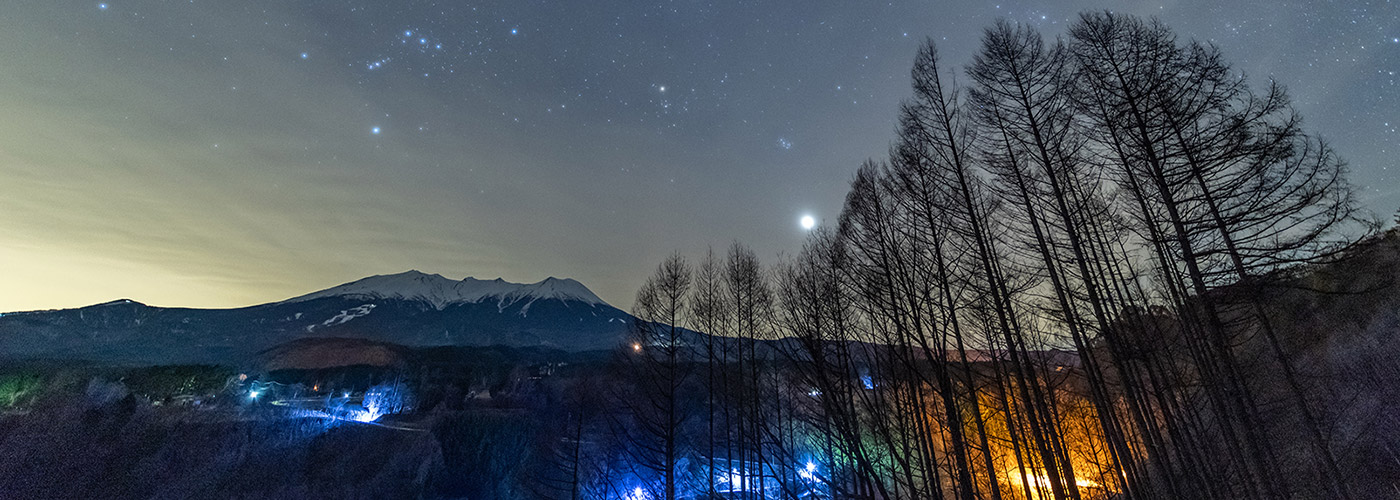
x,y
412,309
315,353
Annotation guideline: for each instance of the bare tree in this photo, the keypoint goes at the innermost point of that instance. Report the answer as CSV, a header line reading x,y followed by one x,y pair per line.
x,y
658,367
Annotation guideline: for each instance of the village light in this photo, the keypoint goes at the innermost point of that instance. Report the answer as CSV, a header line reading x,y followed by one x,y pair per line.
x,y
253,394
636,347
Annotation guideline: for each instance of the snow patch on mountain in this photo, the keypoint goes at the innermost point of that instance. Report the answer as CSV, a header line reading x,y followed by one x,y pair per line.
x,y
441,292
344,316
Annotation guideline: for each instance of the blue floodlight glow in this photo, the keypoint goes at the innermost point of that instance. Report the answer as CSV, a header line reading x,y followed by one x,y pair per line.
x,y
253,394
736,480
638,494
365,416
809,473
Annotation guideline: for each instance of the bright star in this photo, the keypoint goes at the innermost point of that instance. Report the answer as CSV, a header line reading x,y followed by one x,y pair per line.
x,y
662,88
407,33
305,55
102,6
374,130
514,31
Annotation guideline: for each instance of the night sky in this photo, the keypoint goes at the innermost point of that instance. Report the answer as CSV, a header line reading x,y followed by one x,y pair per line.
x,y
227,153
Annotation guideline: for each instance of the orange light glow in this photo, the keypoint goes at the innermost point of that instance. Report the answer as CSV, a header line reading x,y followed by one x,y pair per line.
x,y
1038,480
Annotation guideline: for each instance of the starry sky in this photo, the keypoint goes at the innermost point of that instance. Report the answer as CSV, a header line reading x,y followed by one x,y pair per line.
x,y
219,154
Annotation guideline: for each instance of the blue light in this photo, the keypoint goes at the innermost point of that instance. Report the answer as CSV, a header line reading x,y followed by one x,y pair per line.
x,y
375,131
514,31
407,33
102,6
253,394
737,481
365,416
305,55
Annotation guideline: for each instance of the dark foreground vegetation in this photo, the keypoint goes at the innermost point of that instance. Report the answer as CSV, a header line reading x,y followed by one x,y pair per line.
x,y
468,428
1105,268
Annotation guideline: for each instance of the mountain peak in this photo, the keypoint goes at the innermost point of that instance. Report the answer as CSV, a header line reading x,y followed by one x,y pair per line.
x,y
441,291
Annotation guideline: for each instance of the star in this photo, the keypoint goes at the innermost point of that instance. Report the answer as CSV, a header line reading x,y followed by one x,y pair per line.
x,y
305,55
374,130
102,6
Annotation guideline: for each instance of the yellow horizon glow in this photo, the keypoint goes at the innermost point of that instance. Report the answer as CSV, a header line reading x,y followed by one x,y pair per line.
x,y
48,278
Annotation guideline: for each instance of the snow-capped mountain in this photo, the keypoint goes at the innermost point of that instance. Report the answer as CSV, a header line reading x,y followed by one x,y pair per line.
x,y
441,292
412,309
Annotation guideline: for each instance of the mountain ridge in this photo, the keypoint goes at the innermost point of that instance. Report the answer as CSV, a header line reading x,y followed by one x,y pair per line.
x,y
412,308
441,291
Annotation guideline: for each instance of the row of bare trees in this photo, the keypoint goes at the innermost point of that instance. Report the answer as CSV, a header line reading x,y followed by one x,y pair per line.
x,y
1057,285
